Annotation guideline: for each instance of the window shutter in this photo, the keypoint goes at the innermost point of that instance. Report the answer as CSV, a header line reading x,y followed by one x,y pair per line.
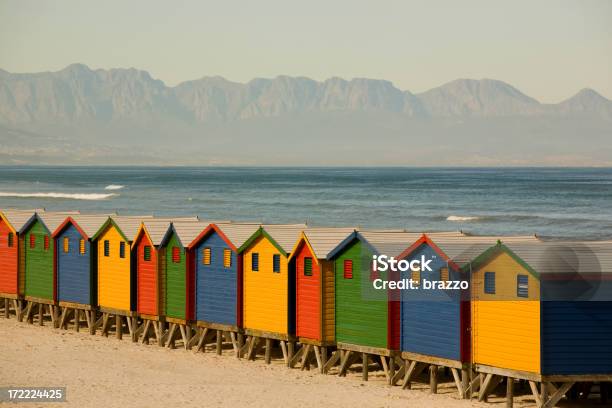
x,y
106,248
66,245
307,266
46,242
255,261
489,283
348,269
176,254
206,256
227,258
276,263
32,241
444,276
10,239
522,286
122,249
147,253
82,246
416,277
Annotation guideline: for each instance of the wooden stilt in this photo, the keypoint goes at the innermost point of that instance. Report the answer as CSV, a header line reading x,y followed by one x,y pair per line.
x,y
290,350
219,342
509,392
335,357
268,350
465,382
283,345
77,320
364,364
344,364
433,379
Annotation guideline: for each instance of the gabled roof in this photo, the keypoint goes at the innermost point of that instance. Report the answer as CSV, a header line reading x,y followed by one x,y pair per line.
x,y
555,257
16,219
282,236
235,234
86,224
50,220
322,241
388,242
157,228
459,250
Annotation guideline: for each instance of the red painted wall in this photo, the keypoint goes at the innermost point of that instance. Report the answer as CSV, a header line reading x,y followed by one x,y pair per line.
x,y
147,279
308,296
8,261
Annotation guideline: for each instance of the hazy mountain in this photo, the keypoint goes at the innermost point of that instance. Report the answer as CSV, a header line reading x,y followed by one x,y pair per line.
x,y
81,114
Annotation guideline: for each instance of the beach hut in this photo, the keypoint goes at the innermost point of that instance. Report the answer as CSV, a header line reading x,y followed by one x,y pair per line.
x,y
11,221
76,269
435,321
367,319
38,273
269,289
218,279
542,313
315,297
154,306
116,277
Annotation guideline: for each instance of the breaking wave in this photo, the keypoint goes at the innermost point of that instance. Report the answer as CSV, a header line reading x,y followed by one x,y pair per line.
x,y
114,187
69,196
459,218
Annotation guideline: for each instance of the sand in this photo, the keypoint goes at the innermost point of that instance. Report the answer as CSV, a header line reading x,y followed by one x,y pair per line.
x,y
106,372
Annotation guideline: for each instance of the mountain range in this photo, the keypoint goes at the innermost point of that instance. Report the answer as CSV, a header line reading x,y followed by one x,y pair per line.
x,y
124,116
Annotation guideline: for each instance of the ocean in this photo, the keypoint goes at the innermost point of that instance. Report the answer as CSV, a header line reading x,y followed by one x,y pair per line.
x,y
551,202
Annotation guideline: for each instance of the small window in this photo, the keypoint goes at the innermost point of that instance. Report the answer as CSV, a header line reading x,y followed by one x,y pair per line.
x,y
121,249
206,256
176,254
32,241
66,245
106,248
444,274
10,239
416,277
82,246
46,242
307,266
348,269
255,261
522,286
489,283
227,258
147,253
276,263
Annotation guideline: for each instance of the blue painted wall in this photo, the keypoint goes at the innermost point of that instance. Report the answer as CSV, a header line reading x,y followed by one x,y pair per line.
x,y
576,337
216,289
74,273
430,321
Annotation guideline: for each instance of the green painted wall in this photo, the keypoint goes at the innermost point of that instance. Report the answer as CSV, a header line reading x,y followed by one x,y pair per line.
x,y
359,321
175,278
38,263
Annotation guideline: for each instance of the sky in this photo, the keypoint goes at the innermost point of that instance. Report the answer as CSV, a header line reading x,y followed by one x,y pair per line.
x,y
547,49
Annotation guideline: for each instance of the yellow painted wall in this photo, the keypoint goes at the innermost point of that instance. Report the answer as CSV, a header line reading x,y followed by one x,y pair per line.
x,y
113,272
505,328
265,292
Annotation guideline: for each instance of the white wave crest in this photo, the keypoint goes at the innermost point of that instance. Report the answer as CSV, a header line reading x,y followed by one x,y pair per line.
x,y
114,187
458,218
69,196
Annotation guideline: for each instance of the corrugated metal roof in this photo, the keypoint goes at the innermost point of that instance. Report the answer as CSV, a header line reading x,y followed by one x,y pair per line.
x,y
324,240
583,257
462,250
394,242
18,218
238,232
89,223
53,219
285,235
188,231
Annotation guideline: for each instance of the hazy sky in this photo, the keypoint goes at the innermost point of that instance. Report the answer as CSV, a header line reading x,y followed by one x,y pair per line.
x,y
549,49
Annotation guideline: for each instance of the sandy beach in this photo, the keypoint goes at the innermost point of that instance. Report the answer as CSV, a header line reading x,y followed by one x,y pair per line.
x,y
106,372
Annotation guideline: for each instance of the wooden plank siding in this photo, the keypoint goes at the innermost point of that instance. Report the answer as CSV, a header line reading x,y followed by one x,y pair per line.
x,y
147,275
502,313
308,295
39,261
176,279
74,269
114,273
9,259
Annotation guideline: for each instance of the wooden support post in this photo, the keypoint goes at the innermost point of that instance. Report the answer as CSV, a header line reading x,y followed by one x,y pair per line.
x,y
40,314
433,379
188,335
364,364
118,327
171,334
268,351
201,342
290,351
323,358
77,320
6,308
509,392
240,344
283,346
105,324
306,352
62,324
219,342
543,393
335,357
145,332
554,398
317,353
344,364
391,370
465,383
